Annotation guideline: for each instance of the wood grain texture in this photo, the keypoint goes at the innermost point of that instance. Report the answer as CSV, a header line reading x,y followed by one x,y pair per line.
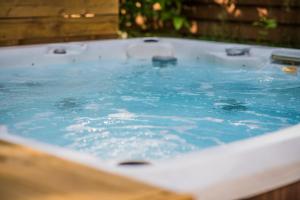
x,y
221,21
52,8
39,21
294,3
26,174
289,192
54,27
242,32
248,14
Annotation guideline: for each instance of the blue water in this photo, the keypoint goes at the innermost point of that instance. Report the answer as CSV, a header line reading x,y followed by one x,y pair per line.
x,y
118,111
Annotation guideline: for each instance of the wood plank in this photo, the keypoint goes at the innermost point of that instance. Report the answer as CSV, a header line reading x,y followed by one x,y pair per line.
x,y
57,39
37,8
288,192
26,174
242,32
215,22
25,21
247,14
280,3
269,3
17,29
62,3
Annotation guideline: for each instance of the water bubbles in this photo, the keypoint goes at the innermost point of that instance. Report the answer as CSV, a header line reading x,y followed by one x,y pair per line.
x,y
131,112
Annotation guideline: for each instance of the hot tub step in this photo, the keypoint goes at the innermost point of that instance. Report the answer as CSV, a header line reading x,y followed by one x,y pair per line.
x,y
163,61
286,57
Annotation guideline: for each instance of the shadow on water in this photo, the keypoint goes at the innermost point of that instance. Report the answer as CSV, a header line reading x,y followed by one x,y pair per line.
x,y
287,90
231,105
2,87
13,86
68,103
32,84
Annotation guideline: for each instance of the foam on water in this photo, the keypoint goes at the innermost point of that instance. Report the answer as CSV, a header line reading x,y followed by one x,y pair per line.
x,y
120,111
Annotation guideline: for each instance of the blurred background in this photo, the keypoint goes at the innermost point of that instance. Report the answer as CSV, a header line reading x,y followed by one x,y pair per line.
x,y
267,22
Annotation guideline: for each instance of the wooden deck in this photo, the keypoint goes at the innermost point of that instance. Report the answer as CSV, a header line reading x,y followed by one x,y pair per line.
x,y
26,174
289,192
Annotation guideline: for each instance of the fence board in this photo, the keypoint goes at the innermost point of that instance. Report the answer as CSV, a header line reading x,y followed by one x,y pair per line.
x,y
32,21
54,27
215,20
293,3
52,9
63,3
247,14
243,32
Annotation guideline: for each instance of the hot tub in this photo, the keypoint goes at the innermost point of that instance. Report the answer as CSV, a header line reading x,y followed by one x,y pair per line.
x,y
216,120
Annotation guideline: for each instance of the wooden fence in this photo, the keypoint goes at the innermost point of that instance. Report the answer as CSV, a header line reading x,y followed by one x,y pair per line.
x,y
39,21
245,20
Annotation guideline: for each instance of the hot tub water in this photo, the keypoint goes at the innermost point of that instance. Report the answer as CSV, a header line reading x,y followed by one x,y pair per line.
x,y
133,110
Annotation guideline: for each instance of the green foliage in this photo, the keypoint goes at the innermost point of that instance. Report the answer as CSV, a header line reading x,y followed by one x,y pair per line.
x,y
266,23
149,15
147,18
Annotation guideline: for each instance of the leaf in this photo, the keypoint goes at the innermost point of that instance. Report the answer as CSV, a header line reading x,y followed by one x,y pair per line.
x,y
178,22
271,24
166,15
263,33
256,24
186,23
